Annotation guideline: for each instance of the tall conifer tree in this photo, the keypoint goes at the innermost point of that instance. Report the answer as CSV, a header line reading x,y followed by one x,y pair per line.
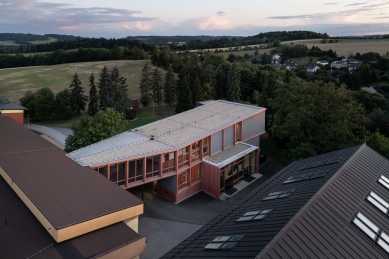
x,y
103,85
93,106
157,85
145,80
78,97
184,98
169,90
233,87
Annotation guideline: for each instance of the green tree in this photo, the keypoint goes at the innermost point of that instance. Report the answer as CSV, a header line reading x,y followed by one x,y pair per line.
x,y
169,90
93,106
197,95
145,99
63,105
378,121
316,118
255,97
28,101
157,86
103,85
145,80
44,99
379,143
365,74
88,130
233,87
78,97
207,91
117,92
184,98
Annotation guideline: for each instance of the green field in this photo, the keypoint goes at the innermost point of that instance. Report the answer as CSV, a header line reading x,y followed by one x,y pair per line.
x,y
11,42
242,52
39,53
14,82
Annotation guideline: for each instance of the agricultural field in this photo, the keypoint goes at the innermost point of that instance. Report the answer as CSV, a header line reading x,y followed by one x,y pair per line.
x,y
242,52
11,42
14,82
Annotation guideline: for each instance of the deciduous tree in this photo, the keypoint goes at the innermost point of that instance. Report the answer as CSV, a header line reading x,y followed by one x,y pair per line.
x,y
63,105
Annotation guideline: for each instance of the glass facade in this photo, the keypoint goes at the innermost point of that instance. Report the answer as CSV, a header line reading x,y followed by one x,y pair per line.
x,y
102,170
135,170
205,147
117,173
168,162
195,174
183,157
183,180
235,172
195,155
152,166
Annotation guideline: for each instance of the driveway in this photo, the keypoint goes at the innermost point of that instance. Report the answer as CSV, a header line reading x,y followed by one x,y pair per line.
x,y
173,223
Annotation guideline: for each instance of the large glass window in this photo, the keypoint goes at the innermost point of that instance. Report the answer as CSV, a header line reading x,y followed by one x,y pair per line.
x,y
183,157
168,162
195,174
195,151
135,172
238,131
152,166
206,147
113,173
102,170
117,173
183,180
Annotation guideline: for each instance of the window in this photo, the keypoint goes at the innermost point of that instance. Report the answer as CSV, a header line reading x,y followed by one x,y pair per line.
x,y
238,131
168,162
152,166
255,215
183,157
195,174
183,180
366,226
206,147
384,181
278,195
378,202
371,230
308,176
330,161
224,242
102,170
195,151
135,170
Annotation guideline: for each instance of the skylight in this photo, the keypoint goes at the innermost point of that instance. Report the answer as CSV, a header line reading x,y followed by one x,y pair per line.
x,y
224,242
377,201
255,215
384,181
308,176
280,194
330,161
370,229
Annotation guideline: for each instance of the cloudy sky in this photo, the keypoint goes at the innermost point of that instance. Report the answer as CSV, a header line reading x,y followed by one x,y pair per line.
x,y
120,18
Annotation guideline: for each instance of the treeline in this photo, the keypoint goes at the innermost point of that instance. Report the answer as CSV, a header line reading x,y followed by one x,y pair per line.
x,y
22,37
174,39
81,55
85,43
261,38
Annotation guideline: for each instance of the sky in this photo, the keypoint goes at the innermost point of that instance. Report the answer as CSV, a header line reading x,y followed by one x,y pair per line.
x,y
121,18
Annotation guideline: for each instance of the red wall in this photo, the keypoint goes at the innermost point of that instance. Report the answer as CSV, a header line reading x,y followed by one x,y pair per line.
x,y
166,193
18,117
188,191
210,179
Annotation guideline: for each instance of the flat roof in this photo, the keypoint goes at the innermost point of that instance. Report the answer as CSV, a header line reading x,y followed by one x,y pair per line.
x,y
230,154
5,104
168,134
63,191
24,237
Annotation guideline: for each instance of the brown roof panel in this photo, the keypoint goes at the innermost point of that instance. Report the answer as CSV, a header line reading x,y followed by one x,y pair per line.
x,y
23,236
65,192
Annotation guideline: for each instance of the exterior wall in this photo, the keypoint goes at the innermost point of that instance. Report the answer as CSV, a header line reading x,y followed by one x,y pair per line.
x,y
16,115
255,141
253,126
228,137
133,223
217,142
210,179
188,191
169,183
161,190
132,250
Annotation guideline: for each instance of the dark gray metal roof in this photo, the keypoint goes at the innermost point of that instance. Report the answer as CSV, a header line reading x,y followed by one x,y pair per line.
x,y
5,104
258,234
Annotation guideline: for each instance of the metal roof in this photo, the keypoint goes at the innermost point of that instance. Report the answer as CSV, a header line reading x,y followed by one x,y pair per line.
x,y
5,104
64,192
166,134
230,154
314,221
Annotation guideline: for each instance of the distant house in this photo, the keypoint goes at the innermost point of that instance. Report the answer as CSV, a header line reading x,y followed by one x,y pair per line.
x,y
290,65
276,58
12,110
339,64
354,66
134,105
311,68
254,58
369,89
322,62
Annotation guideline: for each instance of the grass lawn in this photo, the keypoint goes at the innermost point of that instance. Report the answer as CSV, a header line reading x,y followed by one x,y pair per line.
x,y
56,123
242,52
268,148
16,81
145,116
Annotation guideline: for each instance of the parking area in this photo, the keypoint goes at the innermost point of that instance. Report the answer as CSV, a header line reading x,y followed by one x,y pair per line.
x,y
166,224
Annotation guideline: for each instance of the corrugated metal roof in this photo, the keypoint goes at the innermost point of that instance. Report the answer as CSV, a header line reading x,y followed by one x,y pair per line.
x,y
258,234
65,192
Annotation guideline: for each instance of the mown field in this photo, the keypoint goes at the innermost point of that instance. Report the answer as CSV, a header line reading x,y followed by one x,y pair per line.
x,y
14,82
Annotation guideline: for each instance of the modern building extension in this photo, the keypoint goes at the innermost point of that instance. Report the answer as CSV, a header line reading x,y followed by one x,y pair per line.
x,y
51,207
334,205
211,148
12,110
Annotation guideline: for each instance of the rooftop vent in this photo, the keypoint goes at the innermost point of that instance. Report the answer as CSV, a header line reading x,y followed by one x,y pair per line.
x,y
152,137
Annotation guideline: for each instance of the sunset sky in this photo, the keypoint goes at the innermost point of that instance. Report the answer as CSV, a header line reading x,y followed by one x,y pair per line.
x,y
121,18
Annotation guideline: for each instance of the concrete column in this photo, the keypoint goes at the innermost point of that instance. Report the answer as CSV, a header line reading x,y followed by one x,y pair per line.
x,y
127,171
160,165
144,169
